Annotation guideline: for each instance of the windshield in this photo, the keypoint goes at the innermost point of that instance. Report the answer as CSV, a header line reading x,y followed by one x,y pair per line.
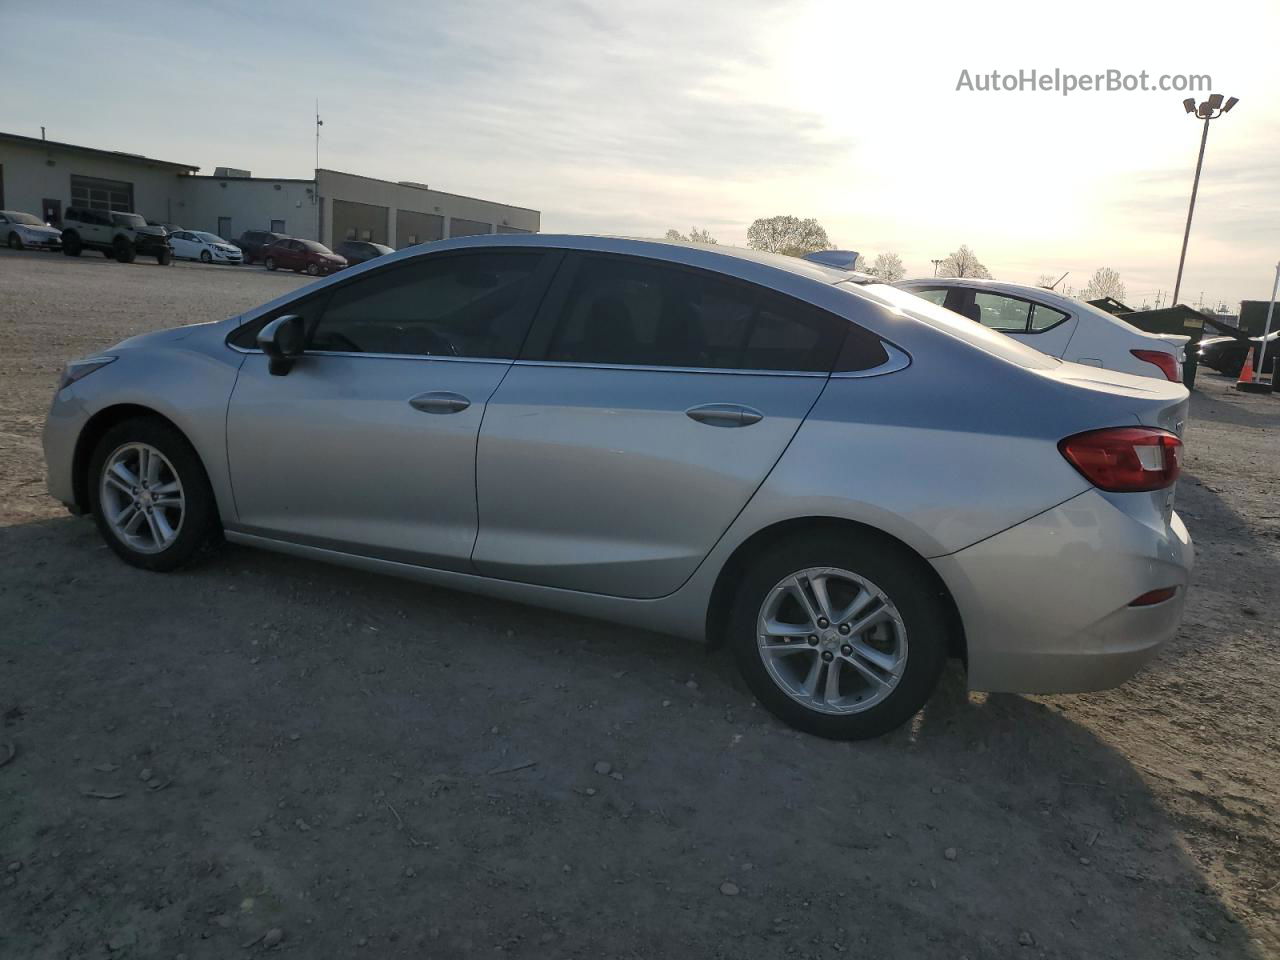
x,y
24,218
209,237
315,247
959,327
128,220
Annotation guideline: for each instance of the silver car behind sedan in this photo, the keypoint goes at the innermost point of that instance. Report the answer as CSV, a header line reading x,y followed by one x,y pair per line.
x,y
842,482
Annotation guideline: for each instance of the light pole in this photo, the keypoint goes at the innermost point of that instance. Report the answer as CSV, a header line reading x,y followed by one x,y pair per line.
x,y
1211,109
1262,353
935,266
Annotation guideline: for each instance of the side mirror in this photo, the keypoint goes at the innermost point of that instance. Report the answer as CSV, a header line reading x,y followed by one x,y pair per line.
x,y
283,340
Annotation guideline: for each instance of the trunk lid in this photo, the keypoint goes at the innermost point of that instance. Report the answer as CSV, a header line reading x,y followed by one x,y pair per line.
x,y
1152,402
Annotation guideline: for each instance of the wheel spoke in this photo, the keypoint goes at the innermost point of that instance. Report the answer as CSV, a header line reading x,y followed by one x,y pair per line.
x,y
832,692
797,589
152,470
134,521
164,489
776,628
884,661
869,672
125,516
860,603
786,649
114,480
122,473
814,678
868,621
819,587
160,523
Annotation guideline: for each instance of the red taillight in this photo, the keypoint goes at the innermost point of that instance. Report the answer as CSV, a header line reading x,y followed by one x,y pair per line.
x,y
1167,362
1152,597
1125,459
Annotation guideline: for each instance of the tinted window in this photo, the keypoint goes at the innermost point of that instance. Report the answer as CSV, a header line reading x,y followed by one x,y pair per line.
x,y
639,312
1006,314
477,305
938,296
1042,317
309,309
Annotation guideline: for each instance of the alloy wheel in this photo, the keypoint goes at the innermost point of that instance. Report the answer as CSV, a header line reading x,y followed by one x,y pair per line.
x,y
142,498
832,640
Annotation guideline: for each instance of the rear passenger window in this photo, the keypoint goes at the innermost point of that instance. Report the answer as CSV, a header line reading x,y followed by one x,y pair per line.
x,y
477,305
1043,318
1006,314
631,311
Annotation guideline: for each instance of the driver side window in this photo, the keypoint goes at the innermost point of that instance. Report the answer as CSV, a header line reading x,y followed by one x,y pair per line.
x,y
475,305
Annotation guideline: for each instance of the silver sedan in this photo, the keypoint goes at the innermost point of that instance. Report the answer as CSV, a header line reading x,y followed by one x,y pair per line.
x,y
840,481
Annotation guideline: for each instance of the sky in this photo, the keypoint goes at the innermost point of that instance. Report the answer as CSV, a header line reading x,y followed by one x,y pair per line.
x,y
634,118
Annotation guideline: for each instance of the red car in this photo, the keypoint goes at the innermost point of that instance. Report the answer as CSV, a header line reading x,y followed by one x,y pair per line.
x,y
299,255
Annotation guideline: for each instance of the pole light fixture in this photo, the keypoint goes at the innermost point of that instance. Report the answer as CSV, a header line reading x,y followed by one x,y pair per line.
x,y
1209,110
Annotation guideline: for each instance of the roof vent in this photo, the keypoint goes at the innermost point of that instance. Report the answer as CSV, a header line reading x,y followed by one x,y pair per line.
x,y
413,183
232,173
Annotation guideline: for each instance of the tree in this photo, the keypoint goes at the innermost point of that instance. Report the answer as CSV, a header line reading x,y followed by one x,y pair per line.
x,y
887,266
1046,280
789,235
695,236
963,263
1105,282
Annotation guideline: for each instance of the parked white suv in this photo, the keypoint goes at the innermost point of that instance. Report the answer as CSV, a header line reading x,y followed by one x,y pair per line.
x,y
118,236
1057,325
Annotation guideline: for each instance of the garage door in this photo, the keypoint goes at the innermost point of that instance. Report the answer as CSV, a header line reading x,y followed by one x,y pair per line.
x,y
359,221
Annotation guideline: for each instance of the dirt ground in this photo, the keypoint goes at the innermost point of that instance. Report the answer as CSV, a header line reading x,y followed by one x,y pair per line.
x,y
376,768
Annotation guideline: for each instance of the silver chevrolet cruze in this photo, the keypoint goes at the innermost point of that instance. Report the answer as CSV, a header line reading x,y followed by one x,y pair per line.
x,y
844,483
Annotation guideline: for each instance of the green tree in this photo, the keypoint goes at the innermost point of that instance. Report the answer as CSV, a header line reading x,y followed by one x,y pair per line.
x,y
696,235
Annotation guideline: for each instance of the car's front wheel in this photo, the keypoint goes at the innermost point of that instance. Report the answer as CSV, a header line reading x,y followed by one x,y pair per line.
x,y
122,250
313,269
150,496
840,636
71,246
15,241
206,256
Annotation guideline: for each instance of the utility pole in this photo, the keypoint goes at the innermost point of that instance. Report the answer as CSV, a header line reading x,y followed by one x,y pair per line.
x,y
319,124
1266,332
1211,109
935,266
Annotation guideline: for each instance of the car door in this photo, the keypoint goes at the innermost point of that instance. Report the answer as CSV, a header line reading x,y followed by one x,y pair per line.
x,y
183,246
368,444
650,403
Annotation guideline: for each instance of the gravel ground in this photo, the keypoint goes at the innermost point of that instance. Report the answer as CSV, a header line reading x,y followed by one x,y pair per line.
x,y
264,744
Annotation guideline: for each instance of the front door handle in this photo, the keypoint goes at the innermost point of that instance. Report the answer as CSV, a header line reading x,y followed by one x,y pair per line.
x,y
439,401
724,415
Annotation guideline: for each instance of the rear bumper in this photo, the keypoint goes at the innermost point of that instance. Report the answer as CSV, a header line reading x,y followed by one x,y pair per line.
x,y
1045,604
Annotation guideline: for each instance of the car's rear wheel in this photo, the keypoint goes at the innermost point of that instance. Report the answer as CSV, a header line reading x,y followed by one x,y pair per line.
x,y
164,257
122,250
270,263
840,637
150,496
15,241
206,257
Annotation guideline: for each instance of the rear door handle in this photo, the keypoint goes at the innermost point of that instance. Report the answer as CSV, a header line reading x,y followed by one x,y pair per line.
x,y
439,401
724,415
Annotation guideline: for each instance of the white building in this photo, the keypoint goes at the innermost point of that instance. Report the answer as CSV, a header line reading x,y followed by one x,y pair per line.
x,y
45,177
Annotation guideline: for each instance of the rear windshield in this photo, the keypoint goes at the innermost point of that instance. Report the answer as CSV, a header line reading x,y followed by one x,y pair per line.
x,y
962,328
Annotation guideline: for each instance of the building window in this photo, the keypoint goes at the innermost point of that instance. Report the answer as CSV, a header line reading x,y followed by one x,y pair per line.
x,y
349,233
96,194
277,226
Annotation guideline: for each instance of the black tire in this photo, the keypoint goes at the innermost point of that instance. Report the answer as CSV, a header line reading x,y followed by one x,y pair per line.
x,y
109,253
896,572
269,263
15,241
164,257
313,270
200,529
123,250
71,246
248,258
206,256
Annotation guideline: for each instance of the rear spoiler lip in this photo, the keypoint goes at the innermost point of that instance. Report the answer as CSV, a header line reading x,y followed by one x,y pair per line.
x,y
840,259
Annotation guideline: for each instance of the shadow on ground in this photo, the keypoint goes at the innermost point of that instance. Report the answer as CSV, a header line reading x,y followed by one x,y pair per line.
x,y
264,742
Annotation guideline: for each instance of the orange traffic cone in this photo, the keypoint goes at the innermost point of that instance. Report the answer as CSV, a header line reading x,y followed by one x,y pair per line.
x,y
1246,372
